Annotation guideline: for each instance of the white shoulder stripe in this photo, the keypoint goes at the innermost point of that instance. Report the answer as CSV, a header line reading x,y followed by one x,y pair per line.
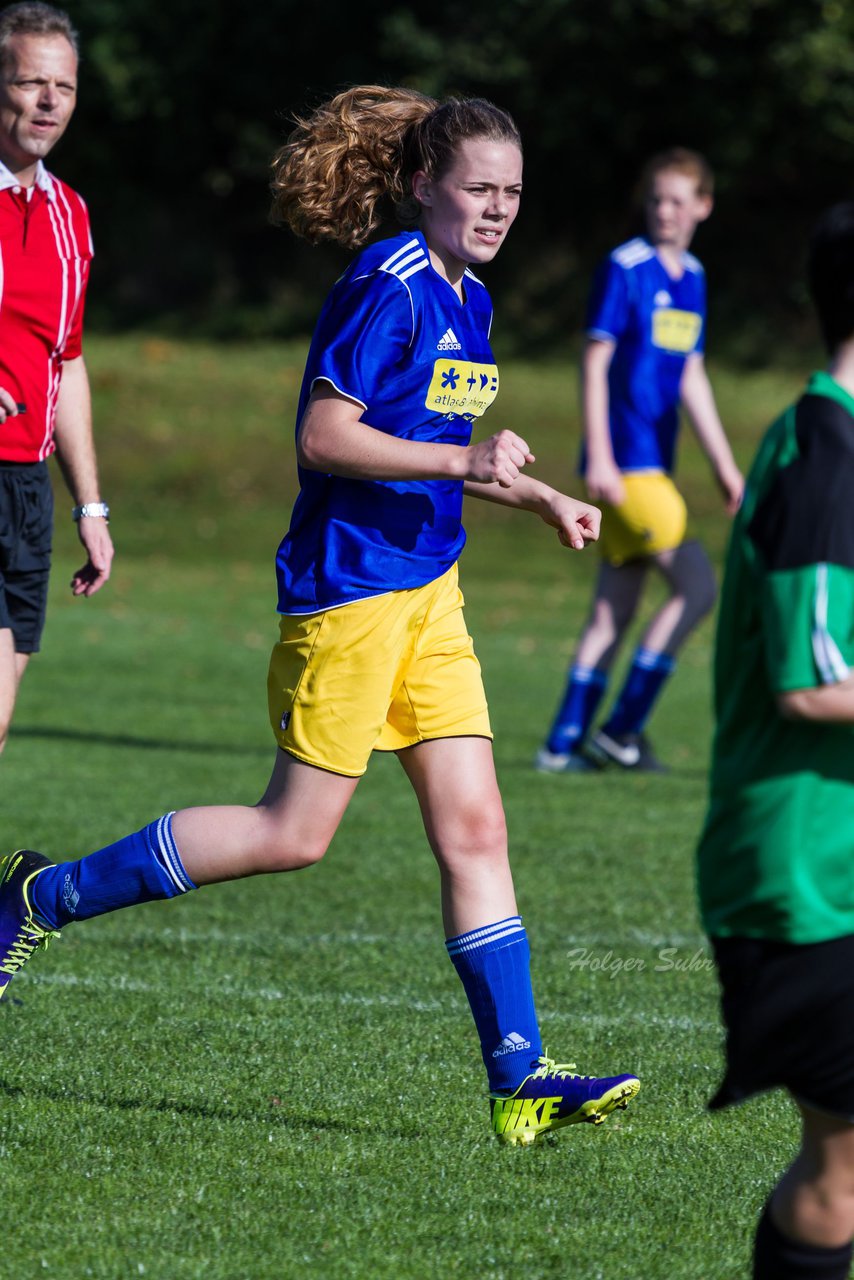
x,y
419,266
831,665
692,264
420,261
69,218
632,253
400,266
405,251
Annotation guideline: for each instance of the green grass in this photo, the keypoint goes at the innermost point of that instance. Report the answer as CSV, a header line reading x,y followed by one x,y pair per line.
x,y
278,1077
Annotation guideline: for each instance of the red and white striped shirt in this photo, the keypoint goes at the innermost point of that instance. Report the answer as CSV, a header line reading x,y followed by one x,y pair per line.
x,y
45,252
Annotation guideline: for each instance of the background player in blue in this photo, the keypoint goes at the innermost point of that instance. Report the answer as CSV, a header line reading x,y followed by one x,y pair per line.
x,y
643,359
374,652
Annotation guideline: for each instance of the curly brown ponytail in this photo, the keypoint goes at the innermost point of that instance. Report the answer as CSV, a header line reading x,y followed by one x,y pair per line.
x,y
357,153
342,163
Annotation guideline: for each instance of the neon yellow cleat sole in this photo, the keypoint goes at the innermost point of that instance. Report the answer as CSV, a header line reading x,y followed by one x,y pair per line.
x,y
554,1096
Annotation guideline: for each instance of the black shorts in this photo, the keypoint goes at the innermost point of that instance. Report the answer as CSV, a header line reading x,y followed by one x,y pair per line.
x,y
789,1015
26,532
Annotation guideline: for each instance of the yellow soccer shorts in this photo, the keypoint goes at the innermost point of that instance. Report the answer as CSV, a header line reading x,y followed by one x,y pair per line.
x,y
378,674
653,518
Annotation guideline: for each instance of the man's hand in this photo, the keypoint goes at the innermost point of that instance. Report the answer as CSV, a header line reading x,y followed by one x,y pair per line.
x,y
94,533
8,405
497,460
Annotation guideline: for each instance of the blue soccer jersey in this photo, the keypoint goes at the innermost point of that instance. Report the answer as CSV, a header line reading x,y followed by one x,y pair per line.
x,y
394,337
656,323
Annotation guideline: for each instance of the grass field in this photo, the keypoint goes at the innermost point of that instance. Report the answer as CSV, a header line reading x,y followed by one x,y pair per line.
x,y
278,1077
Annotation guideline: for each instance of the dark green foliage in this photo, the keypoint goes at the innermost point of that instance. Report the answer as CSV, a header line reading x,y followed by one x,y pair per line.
x,y
182,106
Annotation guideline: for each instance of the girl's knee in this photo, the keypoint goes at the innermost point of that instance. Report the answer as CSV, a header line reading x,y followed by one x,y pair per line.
x,y
480,831
609,619
834,1205
290,853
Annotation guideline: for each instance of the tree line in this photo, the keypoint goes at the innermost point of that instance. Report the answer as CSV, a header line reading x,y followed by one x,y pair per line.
x,y
182,105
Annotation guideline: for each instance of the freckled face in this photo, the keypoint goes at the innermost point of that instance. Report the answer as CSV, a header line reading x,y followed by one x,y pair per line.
x,y
38,93
466,213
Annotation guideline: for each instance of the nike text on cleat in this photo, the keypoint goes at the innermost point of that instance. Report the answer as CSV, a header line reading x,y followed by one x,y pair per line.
x,y
20,932
553,1096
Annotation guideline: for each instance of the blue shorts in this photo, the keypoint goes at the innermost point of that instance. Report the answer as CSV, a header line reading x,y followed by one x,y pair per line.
x,y
26,534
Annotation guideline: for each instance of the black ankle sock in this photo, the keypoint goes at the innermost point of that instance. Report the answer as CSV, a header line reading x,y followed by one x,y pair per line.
x,y
776,1257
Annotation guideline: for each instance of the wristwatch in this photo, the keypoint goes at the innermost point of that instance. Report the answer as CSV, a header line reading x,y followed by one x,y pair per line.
x,y
91,509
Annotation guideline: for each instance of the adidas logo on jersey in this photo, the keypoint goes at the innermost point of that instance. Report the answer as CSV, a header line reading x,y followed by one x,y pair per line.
x,y
449,342
514,1043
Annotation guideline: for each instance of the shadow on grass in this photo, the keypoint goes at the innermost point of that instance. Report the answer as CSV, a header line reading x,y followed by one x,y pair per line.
x,y
274,1111
138,743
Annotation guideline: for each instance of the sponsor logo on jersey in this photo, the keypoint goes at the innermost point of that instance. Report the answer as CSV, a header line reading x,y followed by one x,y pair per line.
x,y
449,342
674,330
462,388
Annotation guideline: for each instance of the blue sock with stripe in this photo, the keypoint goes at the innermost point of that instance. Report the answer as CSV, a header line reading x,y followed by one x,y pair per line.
x,y
494,964
641,687
584,691
141,867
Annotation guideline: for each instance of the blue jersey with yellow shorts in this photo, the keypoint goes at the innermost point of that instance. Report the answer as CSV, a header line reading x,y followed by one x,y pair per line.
x,y
656,322
374,652
394,337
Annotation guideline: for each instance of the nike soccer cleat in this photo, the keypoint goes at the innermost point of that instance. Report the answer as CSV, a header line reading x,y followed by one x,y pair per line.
x,y
555,1095
628,750
20,933
547,761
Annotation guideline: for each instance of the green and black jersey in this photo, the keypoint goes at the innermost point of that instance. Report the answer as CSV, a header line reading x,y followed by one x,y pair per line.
x,y
776,857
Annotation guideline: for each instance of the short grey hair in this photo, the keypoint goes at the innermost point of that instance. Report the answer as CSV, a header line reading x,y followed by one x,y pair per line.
x,y
32,18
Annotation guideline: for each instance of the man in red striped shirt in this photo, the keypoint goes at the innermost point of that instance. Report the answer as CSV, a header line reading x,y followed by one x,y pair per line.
x,y
45,252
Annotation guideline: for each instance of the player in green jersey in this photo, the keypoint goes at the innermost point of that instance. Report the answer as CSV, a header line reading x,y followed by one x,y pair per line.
x,y
776,856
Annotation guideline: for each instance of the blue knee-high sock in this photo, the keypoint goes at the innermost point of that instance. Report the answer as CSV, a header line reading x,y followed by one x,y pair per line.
x,y
494,964
641,687
139,868
584,691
